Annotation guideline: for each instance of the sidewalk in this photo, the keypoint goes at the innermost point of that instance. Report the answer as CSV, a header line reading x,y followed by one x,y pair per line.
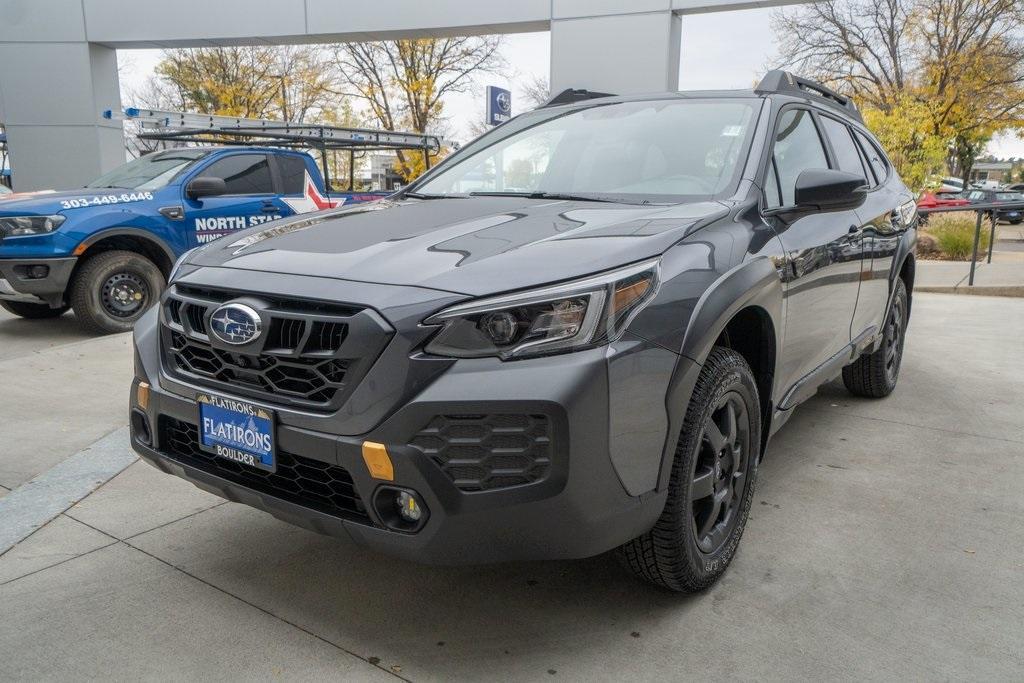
x,y
1003,277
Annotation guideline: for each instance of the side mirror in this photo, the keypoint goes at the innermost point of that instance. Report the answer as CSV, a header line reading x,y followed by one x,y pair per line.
x,y
204,186
829,190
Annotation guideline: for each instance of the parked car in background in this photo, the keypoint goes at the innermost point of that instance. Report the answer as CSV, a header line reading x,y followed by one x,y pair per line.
x,y
938,200
1017,187
951,185
1012,215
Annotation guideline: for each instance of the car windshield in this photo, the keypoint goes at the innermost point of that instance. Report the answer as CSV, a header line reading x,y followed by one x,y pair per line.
x,y
662,151
150,172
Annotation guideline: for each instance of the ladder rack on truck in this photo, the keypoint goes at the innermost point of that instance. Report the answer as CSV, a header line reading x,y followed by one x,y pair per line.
x,y
210,129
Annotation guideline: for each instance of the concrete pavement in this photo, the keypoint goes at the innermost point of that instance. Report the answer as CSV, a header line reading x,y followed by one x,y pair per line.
x,y
885,543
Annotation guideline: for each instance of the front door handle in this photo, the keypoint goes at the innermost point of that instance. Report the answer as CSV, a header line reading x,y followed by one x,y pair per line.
x,y
269,208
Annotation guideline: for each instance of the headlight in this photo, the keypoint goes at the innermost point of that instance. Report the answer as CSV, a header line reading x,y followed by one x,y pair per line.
x,y
179,263
14,226
908,212
566,317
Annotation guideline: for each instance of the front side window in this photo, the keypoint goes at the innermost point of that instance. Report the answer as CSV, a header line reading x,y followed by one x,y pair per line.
x,y
797,148
875,156
664,150
242,174
847,156
150,172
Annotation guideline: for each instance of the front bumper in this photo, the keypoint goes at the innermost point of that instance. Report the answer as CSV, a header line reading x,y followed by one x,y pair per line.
x,y
580,508
19,280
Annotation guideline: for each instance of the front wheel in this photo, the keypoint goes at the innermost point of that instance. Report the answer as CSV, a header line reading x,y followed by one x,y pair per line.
x,y
874,375
712,482
112,290
30,311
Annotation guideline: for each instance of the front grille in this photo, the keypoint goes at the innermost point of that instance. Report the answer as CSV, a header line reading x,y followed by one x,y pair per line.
x,y
486,452
310,483
311,355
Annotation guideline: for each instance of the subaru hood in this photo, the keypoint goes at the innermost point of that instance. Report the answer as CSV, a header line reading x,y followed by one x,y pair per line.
x,y
474,246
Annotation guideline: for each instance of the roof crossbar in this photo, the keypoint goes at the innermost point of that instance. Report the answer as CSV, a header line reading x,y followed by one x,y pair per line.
x,y
783,82
569,96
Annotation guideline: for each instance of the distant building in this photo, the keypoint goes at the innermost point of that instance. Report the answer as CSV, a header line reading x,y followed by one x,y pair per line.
x,y
993,171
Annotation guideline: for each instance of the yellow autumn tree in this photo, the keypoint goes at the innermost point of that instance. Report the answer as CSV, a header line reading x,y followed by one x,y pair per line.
x,y
404,82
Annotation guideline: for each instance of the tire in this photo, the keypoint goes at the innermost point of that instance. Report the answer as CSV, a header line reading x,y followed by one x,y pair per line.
x,y
874,375
112,289
30,311
1017,221
674,554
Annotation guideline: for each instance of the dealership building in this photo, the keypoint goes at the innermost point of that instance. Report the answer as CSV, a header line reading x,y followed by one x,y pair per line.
x,y
58,64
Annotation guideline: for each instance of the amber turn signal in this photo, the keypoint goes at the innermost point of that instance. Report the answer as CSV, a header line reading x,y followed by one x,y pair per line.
x,y
377,460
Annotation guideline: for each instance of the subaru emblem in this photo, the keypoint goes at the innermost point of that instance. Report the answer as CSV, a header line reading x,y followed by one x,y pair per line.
x,y
235,324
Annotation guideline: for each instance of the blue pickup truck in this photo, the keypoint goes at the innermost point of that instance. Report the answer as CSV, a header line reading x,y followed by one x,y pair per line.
x,y
106,250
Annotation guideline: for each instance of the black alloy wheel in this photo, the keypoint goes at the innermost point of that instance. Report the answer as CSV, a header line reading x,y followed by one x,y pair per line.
x,y
720,470
875,374
712,482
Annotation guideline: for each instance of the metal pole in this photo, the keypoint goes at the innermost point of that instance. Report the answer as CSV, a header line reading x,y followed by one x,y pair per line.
x,y
351,170
974,254
323,160
992,237
426,156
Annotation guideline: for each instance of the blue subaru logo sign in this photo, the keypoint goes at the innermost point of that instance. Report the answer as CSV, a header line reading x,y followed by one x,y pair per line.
x,y
235,324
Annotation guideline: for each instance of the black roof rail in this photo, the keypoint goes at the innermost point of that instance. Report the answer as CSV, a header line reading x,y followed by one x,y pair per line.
x,y
783,82
570,95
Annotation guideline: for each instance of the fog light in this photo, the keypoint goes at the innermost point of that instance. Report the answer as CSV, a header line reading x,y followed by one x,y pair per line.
x,y
38,272
408,507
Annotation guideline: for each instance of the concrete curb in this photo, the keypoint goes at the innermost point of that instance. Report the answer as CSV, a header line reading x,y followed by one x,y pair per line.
x,y
36,502
977,290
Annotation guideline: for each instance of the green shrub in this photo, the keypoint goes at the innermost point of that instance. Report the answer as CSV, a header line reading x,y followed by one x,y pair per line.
x,y
954,234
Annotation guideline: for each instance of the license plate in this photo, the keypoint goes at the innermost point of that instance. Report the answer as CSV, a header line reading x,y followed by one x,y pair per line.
x,y
238,431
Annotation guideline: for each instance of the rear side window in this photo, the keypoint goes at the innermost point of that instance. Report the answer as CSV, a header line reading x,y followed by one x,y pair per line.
x,y
847,156
242,174
875,157
797,148
293,174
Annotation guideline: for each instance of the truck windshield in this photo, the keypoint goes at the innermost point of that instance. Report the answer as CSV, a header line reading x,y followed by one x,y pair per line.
x,y
663,150
150,172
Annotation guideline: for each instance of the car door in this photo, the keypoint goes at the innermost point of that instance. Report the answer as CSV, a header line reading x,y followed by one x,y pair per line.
x,y
249,199
823,252
882,228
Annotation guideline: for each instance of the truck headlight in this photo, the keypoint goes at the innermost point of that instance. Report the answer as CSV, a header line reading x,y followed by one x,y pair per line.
x,y
15,226
567,317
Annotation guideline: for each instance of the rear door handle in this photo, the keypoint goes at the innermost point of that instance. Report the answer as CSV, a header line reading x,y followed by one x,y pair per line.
x,y
269,207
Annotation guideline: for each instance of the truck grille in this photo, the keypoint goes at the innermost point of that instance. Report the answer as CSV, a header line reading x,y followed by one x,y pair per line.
x,y
311,355
487,452
310,483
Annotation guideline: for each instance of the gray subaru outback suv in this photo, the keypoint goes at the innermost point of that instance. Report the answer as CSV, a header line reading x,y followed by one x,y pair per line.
x,y
576,334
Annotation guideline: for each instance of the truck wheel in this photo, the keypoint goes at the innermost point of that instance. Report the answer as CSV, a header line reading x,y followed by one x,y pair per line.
x,y
874,375
32,311
112,290
712,482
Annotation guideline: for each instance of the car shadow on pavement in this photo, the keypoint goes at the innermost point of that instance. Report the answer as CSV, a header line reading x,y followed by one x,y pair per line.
x,y
427,620
15,332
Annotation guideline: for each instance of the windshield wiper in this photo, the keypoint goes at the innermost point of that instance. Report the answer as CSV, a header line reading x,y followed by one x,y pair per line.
x,y
551,195
420,195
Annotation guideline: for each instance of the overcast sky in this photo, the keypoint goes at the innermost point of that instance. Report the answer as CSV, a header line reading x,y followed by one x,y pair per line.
x,y
707,61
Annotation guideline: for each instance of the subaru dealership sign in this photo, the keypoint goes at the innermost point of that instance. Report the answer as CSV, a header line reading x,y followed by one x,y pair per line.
x,y
499,105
